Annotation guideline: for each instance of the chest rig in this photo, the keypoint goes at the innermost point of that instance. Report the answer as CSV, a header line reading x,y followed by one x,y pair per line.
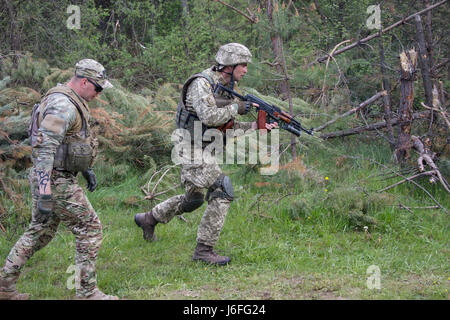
x,y
78,149
185,119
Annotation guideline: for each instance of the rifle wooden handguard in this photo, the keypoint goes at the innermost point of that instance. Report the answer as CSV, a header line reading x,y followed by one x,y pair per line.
x,y
262,116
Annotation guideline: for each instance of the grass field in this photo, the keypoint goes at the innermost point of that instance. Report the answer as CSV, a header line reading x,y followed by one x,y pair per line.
x,y
293,235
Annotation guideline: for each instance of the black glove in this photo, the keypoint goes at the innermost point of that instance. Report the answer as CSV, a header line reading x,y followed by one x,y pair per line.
x,y
244,107
44,207
91,179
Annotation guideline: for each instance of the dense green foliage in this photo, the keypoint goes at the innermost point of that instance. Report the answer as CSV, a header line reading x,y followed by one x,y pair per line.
x,y
146,43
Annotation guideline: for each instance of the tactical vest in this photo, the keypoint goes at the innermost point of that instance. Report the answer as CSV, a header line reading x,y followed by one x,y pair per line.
x,y
185,119
78,149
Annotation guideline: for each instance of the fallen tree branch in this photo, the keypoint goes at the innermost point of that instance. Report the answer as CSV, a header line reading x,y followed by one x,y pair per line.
x,y
361,105
326,68
442,112
440,65
428,207
400,175
401,206
152,195
427,173
375,35
271,64
427,156
374,126
256,202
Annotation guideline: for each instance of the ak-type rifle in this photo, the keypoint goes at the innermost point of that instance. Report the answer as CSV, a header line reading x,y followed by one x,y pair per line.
x,y
268,113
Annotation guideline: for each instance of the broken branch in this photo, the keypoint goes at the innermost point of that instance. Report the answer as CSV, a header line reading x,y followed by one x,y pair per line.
x,y
375,35
238,11
442,112
374,126
361,105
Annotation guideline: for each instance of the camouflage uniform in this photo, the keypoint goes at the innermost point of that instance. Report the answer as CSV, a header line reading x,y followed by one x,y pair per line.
x,y
59,119
196,177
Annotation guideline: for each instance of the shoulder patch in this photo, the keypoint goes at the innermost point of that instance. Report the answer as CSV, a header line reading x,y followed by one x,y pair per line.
x,y
53,123
211,100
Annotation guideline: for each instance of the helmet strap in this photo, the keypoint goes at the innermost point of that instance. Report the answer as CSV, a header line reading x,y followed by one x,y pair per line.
x,y
231,84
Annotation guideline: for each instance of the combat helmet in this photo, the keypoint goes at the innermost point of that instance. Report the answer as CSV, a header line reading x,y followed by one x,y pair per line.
x,y
231,54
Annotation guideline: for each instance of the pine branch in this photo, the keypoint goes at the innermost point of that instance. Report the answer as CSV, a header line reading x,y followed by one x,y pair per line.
x,y
252,20
375,35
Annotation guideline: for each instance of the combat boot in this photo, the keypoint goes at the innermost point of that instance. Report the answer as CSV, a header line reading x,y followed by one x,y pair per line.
x,y
8,291
98,295
207,254
147,222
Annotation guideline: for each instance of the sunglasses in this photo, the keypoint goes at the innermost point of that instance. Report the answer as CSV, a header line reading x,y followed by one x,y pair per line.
x,y
97,87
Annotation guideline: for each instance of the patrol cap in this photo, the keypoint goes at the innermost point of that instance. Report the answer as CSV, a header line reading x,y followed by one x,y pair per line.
x,y
233,53
88,68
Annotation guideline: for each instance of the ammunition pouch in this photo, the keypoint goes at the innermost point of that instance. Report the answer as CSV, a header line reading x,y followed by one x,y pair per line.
x,y
75,156
185,119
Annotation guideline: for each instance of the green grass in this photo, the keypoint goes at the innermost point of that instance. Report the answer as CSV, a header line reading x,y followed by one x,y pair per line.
x,y
279,248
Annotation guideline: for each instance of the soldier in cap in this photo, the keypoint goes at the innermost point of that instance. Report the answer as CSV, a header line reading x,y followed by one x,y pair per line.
x,y
201,103
62,146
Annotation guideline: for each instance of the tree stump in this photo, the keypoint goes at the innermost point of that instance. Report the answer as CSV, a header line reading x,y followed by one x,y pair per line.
x,y
408,61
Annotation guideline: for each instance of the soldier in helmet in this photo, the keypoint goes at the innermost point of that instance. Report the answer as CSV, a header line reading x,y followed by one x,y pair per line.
x,y
62,146
200,103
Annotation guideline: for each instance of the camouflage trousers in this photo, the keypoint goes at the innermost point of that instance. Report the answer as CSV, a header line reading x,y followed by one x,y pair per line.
x,y
197,178
74,210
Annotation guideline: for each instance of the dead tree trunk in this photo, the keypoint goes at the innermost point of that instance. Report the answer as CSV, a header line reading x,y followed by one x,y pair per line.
x,y
387,97
424,66
184,19
280,66
408,62
428,35
14,35
277,44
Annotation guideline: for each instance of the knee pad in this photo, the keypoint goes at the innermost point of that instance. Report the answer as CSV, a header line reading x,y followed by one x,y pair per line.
x,y
222,188
192,201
